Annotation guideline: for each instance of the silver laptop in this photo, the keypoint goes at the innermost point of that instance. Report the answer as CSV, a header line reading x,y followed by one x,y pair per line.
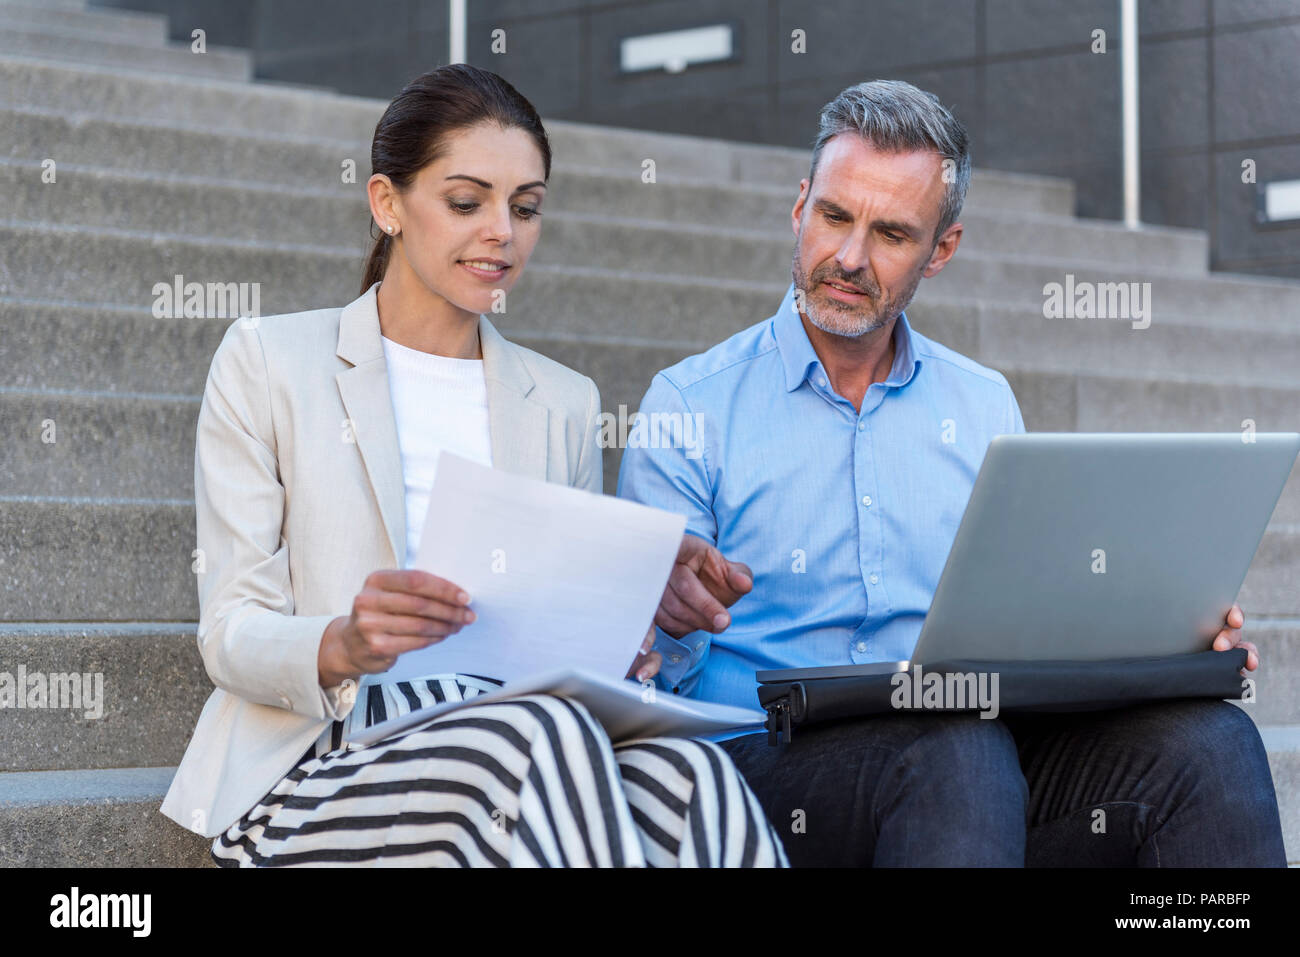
x,y
1080,547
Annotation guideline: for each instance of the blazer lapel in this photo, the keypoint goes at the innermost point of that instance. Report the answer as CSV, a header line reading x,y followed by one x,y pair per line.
x,y
369,404
517,424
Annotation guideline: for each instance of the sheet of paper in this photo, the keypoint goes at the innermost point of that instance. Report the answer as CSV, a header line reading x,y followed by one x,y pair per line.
x,y
559,577
625,710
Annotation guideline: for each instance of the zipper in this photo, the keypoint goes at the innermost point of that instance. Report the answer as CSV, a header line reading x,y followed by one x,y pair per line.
x,y
778,720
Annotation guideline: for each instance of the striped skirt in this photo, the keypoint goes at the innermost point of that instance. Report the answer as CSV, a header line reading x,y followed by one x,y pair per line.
x,y
531,781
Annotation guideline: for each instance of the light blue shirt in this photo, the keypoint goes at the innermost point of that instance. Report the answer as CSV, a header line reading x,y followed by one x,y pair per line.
x,y
846,518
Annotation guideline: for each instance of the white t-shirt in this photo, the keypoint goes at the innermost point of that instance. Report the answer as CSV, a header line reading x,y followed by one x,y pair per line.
x,y
439,403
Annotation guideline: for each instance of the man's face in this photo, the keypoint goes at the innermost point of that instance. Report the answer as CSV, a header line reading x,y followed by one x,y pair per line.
x,y
864,231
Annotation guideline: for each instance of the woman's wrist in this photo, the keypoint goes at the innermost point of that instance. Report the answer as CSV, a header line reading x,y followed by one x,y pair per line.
x,y
331,669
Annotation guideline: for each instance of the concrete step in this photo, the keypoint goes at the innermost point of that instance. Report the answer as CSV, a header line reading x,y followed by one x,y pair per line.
x,y
160,149
684,158
122,266
99,818
1283,744
1198,350
154,683
122,26
143,685
88,264
45,4
1173,296
62,344
125,56
1093,402
217,106
98,444
96,560
210,104
1273,582
987,212
148,146
100,348
608,235
68,263
1277,680
111,818
83,265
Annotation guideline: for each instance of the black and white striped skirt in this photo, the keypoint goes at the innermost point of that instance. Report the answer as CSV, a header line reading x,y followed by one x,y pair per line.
x,y
531,781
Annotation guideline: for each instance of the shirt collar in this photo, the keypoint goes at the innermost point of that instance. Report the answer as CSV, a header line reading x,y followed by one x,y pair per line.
x,y
800,359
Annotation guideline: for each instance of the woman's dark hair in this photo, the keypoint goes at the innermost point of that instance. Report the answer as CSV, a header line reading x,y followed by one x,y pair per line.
x,y
413,130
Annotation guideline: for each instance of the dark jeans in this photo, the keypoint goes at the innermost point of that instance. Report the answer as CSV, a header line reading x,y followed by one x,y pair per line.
x,y
1172,784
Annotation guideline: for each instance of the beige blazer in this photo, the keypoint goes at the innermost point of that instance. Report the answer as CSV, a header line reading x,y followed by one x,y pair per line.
x,y
299,495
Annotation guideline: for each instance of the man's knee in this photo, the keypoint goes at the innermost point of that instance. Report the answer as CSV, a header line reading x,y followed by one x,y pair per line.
x,y
954,759
1220,743
962,743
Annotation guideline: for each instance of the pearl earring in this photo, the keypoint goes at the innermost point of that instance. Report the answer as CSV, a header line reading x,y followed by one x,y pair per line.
x,y
390,229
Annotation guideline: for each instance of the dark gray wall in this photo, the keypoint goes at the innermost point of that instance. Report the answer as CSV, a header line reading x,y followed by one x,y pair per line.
x,y
1220,80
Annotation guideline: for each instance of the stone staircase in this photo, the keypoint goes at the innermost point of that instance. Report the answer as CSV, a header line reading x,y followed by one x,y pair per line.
x,y
170,162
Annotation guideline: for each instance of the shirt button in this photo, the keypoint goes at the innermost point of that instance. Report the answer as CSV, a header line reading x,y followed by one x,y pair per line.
x,y
873,579
822,383
866,500
699,646
862,426
674,658
862,647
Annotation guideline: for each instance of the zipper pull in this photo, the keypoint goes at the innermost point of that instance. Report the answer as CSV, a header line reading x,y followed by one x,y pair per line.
x,y
778,721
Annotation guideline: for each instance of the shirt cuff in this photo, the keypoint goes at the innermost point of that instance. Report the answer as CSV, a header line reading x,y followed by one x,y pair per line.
x,y
337,702
679,656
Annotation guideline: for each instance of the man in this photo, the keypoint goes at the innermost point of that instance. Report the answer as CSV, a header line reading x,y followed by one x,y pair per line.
x,y
839,450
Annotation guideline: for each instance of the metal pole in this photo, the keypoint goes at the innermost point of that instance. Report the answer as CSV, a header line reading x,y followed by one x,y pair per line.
x,y
1128,14
456,31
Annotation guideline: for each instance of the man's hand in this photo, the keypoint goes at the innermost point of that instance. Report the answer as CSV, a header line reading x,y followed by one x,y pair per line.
x,y
1230,638
702,586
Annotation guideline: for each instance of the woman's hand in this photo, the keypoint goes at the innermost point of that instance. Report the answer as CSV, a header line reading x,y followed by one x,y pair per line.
x,y
647,662
397,611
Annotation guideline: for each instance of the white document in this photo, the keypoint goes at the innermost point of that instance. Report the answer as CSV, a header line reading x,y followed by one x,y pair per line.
x,y
558,577
625,710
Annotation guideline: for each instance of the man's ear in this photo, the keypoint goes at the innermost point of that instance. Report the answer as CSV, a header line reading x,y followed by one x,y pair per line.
x,y
944,250
797,213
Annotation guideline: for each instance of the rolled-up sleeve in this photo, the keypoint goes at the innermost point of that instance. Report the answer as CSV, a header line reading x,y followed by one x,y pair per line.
x,y
674,477
252,643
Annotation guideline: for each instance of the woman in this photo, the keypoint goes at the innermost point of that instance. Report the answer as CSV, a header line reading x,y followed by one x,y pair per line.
x,y
314,457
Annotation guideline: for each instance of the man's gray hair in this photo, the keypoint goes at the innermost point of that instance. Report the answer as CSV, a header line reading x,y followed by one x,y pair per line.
x,y
896,116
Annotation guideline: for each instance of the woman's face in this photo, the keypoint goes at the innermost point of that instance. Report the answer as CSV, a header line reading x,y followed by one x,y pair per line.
x,y
470,220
